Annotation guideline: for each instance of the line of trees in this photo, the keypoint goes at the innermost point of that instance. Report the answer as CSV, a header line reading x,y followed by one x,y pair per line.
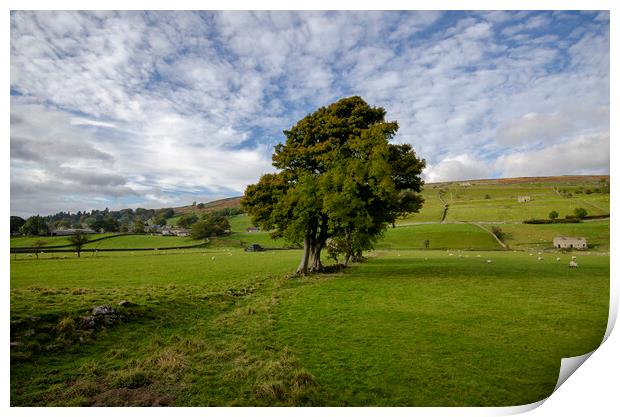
x,y
125,220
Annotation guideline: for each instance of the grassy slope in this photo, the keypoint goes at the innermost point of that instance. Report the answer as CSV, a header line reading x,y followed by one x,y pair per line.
x,y
541,235
470,204
441,236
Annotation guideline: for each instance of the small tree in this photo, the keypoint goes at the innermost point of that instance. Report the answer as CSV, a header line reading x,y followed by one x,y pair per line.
x,y
78,240
497,231
37,245
553,215
580,212
187,220
138,226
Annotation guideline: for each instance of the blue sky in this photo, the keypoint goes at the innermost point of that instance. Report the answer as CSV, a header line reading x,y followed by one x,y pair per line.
x,y
135,109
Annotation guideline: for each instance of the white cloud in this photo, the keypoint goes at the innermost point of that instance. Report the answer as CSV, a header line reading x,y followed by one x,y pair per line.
x,y
583,155
460,167
180,104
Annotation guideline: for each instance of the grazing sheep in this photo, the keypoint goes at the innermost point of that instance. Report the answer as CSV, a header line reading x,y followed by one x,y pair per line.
x,y
450,254
477,256
213,258
29,255
558,259
540,253
531,254
573,264
573,257
540,258
489,261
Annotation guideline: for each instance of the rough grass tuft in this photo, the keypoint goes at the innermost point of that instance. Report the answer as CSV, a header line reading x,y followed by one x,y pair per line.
x,y
65,326
273,390
130,378
303,379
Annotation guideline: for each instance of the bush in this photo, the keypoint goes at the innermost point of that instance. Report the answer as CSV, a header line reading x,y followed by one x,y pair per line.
x,y
538,221
209,226
554,215
497,231
580,212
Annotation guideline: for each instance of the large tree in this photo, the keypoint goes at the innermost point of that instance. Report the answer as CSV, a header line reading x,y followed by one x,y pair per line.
x,y
35,226
338,177
16,223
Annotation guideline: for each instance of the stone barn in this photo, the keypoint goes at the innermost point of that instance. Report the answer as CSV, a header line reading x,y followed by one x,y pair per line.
x,y
524,198
570,242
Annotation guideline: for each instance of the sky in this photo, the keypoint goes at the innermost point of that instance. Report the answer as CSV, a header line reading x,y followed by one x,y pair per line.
x,y
160,109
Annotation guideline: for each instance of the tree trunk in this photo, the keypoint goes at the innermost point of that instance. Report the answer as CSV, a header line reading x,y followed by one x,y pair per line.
x,y
315,257
302,269
347,258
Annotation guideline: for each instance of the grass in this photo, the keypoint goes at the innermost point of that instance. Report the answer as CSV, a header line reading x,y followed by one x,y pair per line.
x,y
217,326
142,241
497,201
427,329
28,241
541,235
225,327
440,236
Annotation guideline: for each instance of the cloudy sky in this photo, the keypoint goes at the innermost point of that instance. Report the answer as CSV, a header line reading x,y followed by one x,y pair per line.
x,y
136,109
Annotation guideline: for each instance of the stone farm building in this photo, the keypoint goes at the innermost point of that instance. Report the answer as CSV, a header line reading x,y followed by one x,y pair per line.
x,y
570,242
524,198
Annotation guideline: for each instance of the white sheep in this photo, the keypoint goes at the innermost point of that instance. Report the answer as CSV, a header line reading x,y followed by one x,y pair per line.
x,y
573,257
558,259
531,254
213,258
573,264
489,261
450,254
540,258
477,256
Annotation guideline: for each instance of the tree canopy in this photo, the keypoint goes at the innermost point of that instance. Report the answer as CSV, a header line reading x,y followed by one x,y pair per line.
x,y
338,178
35,226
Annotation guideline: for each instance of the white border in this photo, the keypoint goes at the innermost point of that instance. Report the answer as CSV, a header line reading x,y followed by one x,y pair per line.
x,y
591,390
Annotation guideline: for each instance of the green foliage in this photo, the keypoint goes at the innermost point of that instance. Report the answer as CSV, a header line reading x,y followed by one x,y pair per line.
x,y
37,245
210,225
339,178
580,212
107,224
16,223
35,226
187,220
553,215
497,231
138,226
78,240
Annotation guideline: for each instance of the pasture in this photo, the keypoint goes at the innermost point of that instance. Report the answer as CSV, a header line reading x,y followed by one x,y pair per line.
x,y
224,327
464,323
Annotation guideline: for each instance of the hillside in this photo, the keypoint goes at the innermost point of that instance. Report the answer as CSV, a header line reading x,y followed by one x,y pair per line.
x,y
491,199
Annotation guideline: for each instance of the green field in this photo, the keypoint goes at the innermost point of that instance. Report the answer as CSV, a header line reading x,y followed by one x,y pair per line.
x,y
541,235
493,201
225,327
464,323
440,236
